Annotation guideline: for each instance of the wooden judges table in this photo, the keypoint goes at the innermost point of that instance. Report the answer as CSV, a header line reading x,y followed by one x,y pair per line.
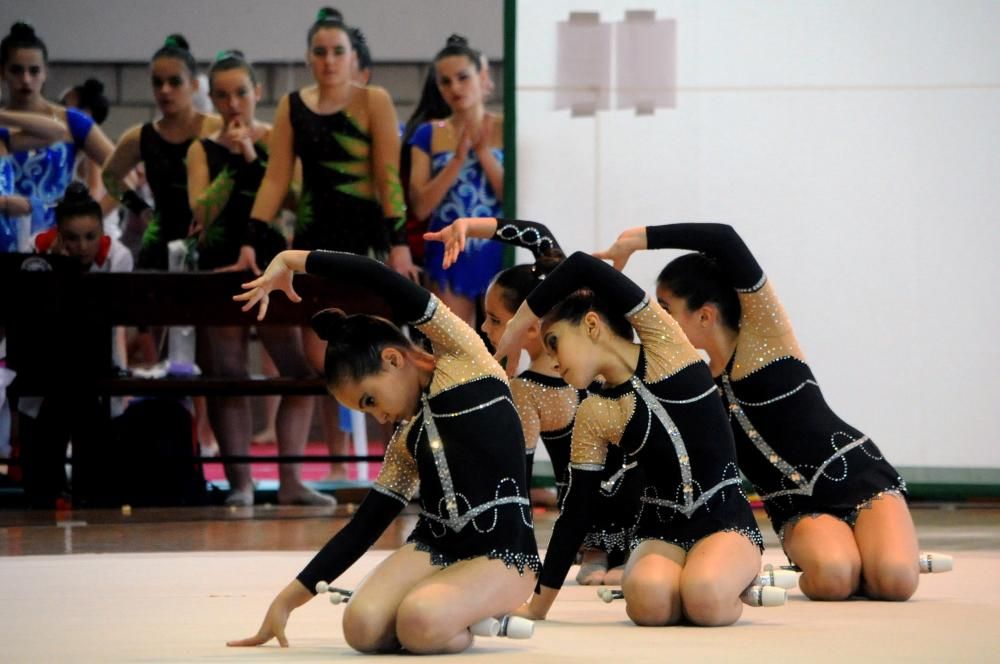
x,y
58,324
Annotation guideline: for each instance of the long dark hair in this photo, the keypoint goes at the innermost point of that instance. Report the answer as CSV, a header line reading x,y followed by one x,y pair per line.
x,y
697,279
354,344
431,106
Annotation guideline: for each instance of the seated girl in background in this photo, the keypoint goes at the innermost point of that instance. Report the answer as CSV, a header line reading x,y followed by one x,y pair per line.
x,y
79,233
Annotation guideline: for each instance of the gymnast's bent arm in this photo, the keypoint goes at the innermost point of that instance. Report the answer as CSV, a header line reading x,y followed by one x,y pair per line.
x,y
578,271
720,241
408,300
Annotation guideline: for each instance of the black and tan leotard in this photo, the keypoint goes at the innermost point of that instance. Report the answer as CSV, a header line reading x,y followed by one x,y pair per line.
x,y
463,450
666,418
799,455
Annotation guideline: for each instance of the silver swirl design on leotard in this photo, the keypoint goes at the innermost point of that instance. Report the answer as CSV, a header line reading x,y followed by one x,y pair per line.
x,y
688,506
680,402
803,486
768,402
758,441
610,485
450,514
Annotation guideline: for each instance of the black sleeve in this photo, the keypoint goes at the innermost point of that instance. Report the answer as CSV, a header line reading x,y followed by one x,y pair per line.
x,y
530,235
720,241
253,171
374,515
407,299
396,227
571,527
584,271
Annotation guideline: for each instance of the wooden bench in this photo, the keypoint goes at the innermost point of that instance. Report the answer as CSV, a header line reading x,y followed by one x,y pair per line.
x,y
58,326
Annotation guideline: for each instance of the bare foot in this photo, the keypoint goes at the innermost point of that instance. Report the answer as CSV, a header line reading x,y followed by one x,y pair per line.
x,y
303,495
240,498
337,473
593,568
264,437
614,576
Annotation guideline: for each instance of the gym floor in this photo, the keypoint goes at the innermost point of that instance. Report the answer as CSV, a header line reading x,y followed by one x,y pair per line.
x,y
172,585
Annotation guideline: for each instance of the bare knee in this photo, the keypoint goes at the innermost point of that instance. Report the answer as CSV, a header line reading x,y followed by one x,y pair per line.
x,y
893,581
367,628
651,604
421,627
831,579
708,603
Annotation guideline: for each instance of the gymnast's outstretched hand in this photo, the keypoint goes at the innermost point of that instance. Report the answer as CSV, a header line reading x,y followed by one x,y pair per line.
x,y
514,337
293,596
453,237
630,241
277,276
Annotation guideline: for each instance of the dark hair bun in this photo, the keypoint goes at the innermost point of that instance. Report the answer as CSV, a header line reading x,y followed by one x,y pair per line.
x,y
329,14
177,40
547,263
457,40
92,87
328,323
76,192
22,30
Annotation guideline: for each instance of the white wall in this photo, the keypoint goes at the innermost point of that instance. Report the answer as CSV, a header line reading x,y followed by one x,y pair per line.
x,y
131,30
856,146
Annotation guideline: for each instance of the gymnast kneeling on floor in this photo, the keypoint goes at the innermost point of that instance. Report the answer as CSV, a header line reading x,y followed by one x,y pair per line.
x,y
472,555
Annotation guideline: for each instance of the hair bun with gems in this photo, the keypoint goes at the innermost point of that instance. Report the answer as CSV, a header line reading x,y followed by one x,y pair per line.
x,y
329,14
22,30
177,40
328,323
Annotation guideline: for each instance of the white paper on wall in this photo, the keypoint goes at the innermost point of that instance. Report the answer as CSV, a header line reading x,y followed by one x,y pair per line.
x,y
583,64
646,62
